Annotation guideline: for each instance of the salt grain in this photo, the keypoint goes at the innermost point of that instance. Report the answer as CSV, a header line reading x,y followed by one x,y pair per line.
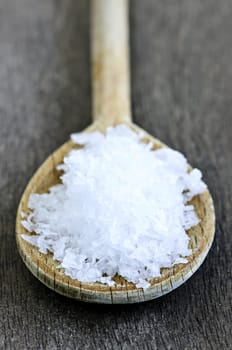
x,y
122,208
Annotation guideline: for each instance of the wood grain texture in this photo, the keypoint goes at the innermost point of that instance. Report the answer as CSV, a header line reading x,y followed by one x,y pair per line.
x,y
181,91
109,38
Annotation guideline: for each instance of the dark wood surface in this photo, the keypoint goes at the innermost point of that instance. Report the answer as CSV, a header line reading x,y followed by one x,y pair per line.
x,y
181,53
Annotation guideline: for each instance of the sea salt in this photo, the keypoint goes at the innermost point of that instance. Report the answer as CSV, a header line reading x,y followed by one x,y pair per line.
x,y
122,208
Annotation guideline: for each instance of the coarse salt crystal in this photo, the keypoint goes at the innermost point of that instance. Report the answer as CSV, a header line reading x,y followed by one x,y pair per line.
x,y
122,208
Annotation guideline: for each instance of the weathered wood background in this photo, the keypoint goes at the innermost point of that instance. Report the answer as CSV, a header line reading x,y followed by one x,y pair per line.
x,y
181,53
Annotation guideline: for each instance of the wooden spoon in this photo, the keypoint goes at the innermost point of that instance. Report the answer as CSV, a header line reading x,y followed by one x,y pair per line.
x,y
111,106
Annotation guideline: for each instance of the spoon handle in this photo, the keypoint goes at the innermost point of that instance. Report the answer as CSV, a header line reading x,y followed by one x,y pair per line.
x,y
110,61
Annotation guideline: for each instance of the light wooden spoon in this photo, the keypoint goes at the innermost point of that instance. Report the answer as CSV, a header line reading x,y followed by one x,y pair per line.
x,y
111,106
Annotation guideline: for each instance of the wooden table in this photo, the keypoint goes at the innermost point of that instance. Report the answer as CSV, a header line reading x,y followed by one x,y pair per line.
x,y
181,55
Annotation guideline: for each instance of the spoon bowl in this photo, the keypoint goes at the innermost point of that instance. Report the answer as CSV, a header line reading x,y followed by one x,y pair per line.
x,y
111,106
46,269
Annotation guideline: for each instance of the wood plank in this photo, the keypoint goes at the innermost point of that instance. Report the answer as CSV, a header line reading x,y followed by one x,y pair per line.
x,y
181,92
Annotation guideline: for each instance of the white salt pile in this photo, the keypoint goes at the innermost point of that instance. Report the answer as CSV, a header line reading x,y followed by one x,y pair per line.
x,y
121,209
